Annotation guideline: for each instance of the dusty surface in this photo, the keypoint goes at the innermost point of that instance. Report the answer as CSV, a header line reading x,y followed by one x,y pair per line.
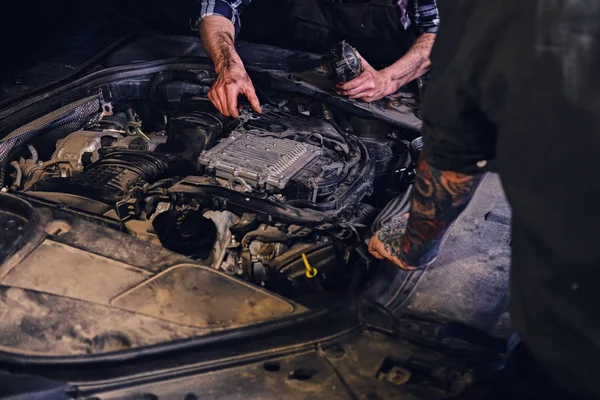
x,y
250,382
96,290
469,280
67,271
361,365
468,283
199,297
43,324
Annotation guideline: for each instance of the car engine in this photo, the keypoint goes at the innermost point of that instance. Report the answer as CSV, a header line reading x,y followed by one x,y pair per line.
x,y
267,197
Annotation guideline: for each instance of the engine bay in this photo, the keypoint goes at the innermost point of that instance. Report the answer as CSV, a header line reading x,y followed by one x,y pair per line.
x,y
284,199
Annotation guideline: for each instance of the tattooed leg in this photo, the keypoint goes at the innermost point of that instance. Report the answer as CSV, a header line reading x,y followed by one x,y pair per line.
x,y
438,199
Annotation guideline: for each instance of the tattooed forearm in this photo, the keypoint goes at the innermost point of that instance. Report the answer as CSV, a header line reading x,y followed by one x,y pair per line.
x,y
217,34
414,63
438,199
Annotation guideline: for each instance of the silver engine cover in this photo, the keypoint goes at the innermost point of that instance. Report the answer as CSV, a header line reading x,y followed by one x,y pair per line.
x,y
260,160
77,143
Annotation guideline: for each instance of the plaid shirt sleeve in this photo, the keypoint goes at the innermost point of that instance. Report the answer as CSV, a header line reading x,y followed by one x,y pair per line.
x,y
229,9
425,16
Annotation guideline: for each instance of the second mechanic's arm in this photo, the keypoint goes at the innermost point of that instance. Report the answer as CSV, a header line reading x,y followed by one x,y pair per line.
x,y
373,85
438,199
218,36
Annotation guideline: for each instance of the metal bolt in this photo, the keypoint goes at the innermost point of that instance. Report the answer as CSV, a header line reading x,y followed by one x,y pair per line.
x,y
57,227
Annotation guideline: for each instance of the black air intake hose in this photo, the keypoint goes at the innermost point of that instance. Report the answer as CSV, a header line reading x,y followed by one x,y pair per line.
x,y
202,79
110,179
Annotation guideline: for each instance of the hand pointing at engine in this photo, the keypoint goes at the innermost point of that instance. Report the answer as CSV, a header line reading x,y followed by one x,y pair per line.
x,y
232,81
217,34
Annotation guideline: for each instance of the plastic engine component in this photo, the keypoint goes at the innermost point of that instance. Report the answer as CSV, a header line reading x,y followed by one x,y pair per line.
x,y
342,63
261,161
188,233
317,180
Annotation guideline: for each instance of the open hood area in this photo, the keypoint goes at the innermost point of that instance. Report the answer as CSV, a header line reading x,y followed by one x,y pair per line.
x,y
136,215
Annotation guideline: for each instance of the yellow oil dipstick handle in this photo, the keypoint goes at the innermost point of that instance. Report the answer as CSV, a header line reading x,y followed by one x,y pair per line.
x,y
310,271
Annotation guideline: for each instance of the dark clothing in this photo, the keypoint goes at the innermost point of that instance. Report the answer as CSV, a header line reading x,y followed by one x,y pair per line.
x,y
516,83
381,30
424,13
521,378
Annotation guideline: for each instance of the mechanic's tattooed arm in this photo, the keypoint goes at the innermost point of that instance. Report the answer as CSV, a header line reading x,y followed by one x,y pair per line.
x,y
438,199
218,36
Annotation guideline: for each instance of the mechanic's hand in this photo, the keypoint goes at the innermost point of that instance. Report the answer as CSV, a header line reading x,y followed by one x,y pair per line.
x,y
231,82
370,86
378,249
392,232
